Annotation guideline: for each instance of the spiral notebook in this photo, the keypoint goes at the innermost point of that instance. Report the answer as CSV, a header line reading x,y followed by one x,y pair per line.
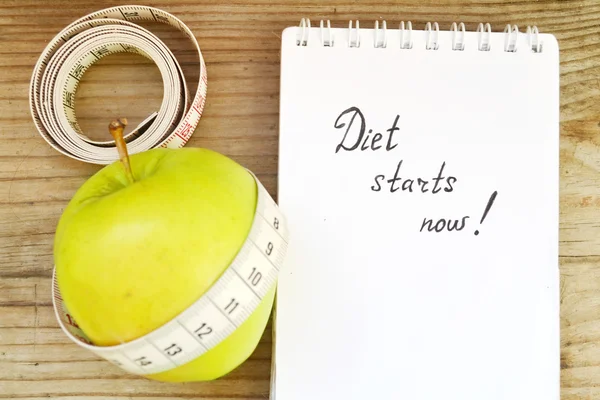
x,y
419,172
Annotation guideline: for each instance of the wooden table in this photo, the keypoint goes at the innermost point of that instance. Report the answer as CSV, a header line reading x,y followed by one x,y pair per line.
x,y
241,45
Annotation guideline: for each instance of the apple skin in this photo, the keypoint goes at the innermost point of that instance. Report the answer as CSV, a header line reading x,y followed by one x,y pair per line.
x,y
129,257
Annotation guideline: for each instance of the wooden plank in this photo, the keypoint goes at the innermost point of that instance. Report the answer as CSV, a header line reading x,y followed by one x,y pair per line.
x,y
257,368
131,386
117,397
68,351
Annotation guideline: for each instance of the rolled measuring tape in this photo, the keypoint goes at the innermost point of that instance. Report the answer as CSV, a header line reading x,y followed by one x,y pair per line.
x,y
215,315
69,54
253,272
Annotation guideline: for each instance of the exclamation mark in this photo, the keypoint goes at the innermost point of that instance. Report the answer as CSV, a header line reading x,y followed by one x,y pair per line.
x,y
487,209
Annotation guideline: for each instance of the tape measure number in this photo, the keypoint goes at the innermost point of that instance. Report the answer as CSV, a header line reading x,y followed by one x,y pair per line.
x,y
211,319
65,59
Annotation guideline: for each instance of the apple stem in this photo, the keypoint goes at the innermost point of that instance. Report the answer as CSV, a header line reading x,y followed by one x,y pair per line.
x,y
116,130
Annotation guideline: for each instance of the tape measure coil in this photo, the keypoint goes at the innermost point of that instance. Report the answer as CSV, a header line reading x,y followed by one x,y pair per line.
x,y
61,65
254,270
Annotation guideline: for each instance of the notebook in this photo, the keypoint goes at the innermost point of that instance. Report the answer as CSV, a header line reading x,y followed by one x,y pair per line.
x,y
419,172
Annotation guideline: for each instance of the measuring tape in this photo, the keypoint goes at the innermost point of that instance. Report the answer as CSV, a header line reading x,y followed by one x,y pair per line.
x,y
254,270
63,62
207,322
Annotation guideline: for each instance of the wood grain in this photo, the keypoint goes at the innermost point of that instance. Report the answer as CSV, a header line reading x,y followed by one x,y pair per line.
x,y
240,41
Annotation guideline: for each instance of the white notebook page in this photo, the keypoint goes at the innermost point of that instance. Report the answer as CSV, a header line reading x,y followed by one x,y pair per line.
x,y
393,287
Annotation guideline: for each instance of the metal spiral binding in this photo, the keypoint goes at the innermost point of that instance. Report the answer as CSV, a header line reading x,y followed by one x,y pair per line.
x,y
511,33
510,38
356,42
383,42
329,41
458,44
429,43
481,30
408,44
534,39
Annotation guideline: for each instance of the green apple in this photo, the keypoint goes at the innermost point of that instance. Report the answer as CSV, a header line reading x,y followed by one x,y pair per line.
x,y
144,238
